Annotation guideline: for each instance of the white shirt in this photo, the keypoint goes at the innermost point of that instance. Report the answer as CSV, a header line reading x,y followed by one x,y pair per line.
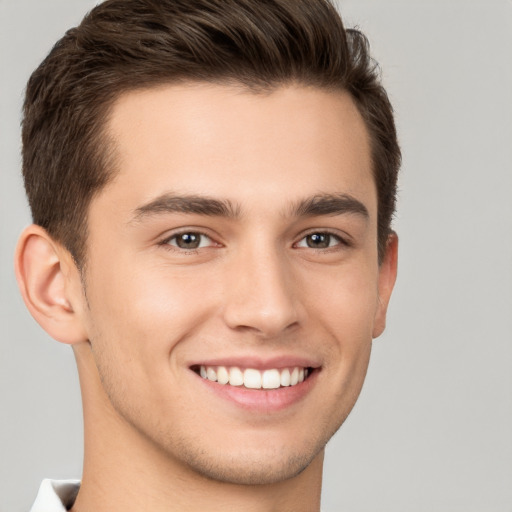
x,y
56,495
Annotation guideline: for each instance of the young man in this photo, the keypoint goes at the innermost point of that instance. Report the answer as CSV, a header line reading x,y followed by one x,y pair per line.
x,y
212,184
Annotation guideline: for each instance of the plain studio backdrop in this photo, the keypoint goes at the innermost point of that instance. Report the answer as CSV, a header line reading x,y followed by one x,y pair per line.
x,y
432,431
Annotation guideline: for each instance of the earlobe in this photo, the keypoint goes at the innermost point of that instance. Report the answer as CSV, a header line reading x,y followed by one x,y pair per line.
x,y
50,285
387,278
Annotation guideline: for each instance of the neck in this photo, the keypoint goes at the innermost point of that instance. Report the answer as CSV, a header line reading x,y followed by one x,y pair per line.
x,y
125,471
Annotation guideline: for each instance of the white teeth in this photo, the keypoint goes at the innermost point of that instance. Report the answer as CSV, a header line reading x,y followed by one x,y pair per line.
x,y
236,377
271,379
294,377
222,375
254,379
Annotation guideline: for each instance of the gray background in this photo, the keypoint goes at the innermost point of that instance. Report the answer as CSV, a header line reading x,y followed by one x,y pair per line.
x,y
432,431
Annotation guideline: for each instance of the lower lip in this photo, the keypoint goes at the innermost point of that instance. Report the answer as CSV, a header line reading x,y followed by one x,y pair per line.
x,y
262,400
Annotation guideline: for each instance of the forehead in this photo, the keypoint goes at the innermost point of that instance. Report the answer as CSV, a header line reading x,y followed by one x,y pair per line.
x,y
228,142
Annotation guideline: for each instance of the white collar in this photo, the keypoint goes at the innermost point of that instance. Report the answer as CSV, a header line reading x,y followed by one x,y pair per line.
x,y
56,495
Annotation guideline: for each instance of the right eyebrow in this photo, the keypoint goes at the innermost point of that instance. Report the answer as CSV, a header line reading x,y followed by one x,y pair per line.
x,y
194,204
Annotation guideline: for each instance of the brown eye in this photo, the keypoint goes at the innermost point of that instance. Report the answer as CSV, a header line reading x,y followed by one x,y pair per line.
x,y
319,241
190,241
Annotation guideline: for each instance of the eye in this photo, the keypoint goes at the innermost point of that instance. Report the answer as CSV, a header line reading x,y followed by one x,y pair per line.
x,y
189,240
320,240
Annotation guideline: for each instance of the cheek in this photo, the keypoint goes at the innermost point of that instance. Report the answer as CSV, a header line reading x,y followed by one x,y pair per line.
x,y
345,312
345,300
137,321
140,316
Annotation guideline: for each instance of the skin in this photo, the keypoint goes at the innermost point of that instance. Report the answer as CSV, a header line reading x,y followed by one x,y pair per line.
x,y
156,438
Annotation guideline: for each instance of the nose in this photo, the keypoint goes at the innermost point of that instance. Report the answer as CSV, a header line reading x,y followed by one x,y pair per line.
x,y
261,294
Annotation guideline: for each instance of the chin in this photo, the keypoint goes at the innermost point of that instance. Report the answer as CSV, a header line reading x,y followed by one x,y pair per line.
x,y
259,466
252,471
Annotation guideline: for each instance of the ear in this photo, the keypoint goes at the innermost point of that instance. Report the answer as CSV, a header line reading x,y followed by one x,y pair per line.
x,y
387,278
50,285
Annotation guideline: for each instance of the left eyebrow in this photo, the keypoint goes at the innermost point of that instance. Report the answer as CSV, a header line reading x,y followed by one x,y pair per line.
x,y
330,204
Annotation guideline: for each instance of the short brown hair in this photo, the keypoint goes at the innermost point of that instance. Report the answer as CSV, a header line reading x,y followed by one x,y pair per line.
x,y
122,45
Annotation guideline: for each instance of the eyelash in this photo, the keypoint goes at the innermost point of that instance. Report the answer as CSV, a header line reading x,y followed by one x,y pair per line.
x,y
340,241
166,243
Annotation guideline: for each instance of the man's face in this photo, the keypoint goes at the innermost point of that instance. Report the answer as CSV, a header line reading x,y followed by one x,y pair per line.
x,y
238,240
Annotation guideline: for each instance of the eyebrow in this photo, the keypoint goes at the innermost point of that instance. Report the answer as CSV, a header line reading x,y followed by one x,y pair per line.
x,y
330,204
317,205
192,204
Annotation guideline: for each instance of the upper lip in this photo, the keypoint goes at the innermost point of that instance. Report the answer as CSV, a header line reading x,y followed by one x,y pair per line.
x,y
259,363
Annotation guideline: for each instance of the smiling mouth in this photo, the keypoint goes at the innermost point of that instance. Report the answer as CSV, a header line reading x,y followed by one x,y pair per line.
x,y
252,378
